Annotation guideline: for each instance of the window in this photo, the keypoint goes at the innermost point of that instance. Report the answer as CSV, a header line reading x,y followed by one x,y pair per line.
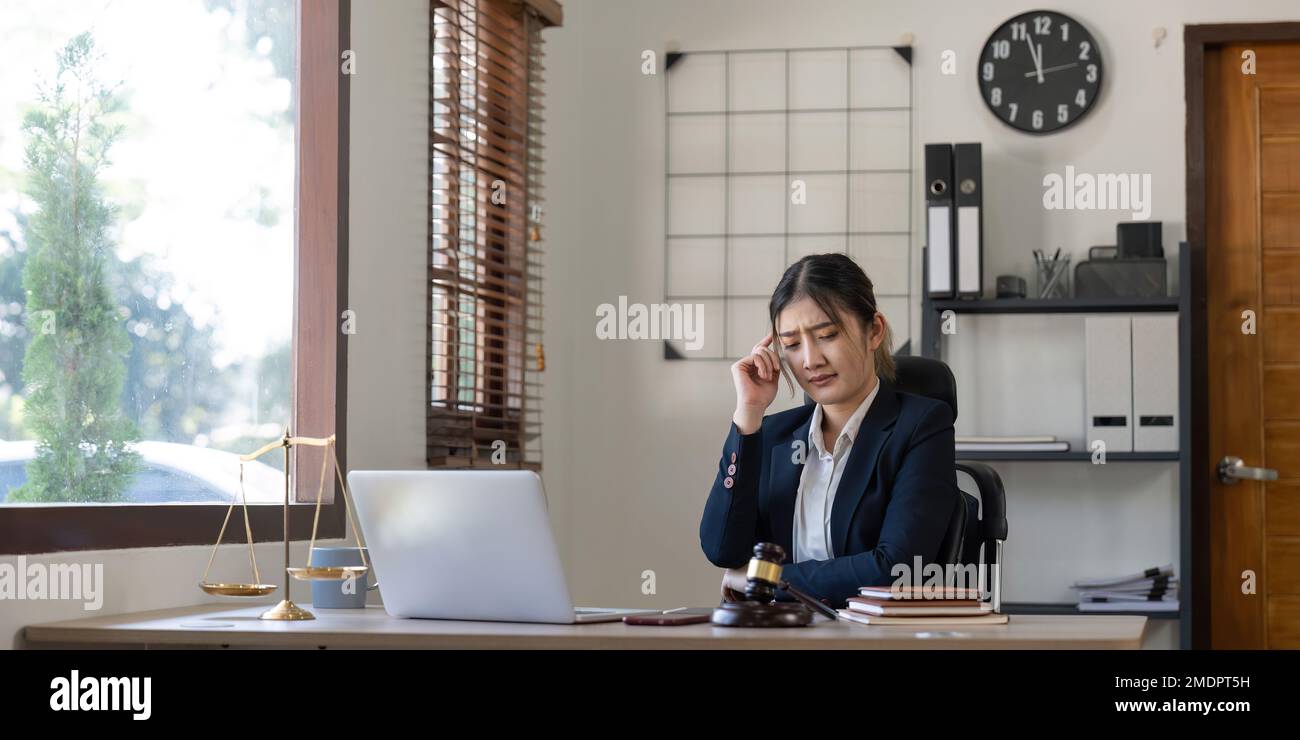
x,y
485,339
159,290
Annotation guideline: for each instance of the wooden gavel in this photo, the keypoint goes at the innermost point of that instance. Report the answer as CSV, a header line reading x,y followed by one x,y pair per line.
x,y
759,607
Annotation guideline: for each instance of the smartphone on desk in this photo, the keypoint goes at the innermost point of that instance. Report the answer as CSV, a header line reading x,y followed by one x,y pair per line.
x,y
671,619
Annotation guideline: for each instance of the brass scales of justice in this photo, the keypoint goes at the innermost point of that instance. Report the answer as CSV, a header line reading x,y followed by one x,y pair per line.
x,y
286,610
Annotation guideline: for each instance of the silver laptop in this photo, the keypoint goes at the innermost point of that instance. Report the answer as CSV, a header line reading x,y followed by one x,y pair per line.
x,y
471,544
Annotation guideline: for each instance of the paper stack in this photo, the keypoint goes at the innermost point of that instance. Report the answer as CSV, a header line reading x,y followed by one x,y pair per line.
x,y
1152,590
1043,443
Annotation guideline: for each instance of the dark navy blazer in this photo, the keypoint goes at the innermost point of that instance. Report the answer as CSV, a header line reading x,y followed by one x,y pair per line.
x,y
893,502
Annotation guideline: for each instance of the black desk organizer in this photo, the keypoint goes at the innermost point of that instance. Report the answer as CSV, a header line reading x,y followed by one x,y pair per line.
x,y
1120,277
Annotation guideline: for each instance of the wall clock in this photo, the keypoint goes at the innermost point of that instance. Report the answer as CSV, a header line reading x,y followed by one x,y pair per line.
x,y
1040,72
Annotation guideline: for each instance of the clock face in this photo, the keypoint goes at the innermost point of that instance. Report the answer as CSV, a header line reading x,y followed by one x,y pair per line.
x,y
1040,72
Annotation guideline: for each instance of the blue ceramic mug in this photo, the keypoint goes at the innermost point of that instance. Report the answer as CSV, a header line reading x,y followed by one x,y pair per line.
x,y
334,594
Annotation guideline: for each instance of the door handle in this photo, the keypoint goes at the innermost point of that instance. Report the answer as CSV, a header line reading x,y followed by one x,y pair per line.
x,y
1231,470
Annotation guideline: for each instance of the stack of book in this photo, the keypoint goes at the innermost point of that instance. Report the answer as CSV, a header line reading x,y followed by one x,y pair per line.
x,y
1152,590
1041,443
918,607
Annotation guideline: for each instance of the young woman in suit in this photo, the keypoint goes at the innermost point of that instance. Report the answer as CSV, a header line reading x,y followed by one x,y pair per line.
x,y
850,485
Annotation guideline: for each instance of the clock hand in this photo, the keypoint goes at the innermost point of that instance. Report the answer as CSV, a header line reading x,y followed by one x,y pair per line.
x,y
1038,62
1053,69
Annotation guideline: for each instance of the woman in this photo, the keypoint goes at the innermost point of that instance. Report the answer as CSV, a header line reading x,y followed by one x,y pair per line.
x,y
849,486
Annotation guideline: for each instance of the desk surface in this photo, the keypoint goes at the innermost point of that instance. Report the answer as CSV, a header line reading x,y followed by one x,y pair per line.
x,y
220,625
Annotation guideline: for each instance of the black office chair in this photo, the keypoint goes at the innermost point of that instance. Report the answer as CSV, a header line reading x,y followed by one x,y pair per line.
x,y
968,532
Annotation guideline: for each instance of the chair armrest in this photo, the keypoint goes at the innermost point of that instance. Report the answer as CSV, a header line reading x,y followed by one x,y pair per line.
x,y
993,497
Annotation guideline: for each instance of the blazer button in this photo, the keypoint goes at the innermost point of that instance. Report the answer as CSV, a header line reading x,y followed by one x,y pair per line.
x,y
728,482
731,470
733,457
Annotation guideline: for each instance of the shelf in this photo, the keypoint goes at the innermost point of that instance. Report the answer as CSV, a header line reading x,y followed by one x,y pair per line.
x,y
1058,305
1068,456
1038,607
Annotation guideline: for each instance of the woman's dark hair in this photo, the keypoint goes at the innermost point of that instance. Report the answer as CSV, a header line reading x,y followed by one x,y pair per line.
x,y
837,285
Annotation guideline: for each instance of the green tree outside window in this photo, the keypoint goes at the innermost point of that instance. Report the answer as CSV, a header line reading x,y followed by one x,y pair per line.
x,y
74,368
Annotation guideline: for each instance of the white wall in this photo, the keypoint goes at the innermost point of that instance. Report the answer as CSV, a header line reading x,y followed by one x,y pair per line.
x,y
389,234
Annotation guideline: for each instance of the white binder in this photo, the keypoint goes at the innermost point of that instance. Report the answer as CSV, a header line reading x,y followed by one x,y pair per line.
x,y
1155,383
1109,388
968,196
969,278
939,235
939,222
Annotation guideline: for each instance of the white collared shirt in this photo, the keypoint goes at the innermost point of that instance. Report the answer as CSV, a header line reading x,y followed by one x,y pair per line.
x,y
818,481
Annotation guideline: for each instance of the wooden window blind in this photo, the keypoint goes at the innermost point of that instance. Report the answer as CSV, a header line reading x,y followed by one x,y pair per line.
x,y
485,308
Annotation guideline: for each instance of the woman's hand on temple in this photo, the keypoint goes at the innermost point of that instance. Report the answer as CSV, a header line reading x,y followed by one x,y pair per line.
x,y
756,377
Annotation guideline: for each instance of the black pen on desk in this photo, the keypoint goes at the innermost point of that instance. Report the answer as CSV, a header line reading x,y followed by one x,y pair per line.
x,y
1056,256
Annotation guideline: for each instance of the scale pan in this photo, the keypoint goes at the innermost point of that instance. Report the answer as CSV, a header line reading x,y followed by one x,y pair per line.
x,y
238,589
328,573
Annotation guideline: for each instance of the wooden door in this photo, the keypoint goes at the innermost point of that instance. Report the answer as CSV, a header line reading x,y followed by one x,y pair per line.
x,y
1252,246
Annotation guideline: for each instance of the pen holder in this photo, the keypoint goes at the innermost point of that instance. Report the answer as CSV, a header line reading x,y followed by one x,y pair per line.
x,y
1053,278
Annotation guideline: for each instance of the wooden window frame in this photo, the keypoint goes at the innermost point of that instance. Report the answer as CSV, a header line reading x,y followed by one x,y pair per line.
x,y
319,382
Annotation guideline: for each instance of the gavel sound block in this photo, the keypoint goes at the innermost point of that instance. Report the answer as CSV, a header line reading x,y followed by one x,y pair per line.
x,y
759,607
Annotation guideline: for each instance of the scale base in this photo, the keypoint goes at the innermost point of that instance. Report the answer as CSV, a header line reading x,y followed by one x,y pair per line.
x,y
287,611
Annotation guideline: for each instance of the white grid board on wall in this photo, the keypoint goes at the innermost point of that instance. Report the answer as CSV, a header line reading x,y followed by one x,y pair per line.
x,y
742,129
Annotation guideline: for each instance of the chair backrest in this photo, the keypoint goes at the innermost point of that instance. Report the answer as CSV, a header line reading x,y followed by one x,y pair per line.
x,y
968,532
924,376
932,379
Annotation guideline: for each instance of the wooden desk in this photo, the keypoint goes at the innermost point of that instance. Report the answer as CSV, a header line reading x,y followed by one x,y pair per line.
x,y
220,626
